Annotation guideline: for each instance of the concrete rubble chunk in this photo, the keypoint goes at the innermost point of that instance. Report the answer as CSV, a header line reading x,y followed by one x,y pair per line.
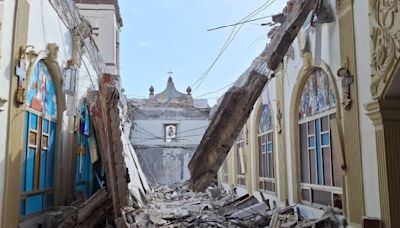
x,y
237,103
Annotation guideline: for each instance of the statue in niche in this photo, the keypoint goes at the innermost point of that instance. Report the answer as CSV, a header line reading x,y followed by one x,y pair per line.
x,y
347,80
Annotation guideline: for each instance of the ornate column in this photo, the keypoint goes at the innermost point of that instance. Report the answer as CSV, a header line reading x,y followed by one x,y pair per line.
x,y
385,116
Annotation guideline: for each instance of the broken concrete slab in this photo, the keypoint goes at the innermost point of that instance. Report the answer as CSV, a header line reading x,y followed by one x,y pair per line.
x,y
252,211
223,131
295,13
237,103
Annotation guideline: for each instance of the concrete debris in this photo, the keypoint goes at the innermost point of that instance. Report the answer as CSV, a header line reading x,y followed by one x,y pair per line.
x,y
177,206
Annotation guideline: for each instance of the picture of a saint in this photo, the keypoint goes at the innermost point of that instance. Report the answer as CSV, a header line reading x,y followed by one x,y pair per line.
x,y
170,133
41,94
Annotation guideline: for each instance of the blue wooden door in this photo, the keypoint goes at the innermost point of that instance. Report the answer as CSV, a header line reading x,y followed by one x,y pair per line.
x,y
83,170
37,179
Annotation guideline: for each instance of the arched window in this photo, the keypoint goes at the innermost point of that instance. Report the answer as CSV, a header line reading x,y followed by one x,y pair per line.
x,y
320,163
265,151
37,190
241,160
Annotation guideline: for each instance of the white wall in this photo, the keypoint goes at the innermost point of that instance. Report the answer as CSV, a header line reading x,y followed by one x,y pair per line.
x,y
367,130
102,16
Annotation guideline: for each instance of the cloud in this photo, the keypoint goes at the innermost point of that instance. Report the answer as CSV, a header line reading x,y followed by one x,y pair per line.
x,y
143,44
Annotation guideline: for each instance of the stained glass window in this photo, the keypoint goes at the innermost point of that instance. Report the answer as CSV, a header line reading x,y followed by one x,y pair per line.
x,y
318,157
41,93
318,95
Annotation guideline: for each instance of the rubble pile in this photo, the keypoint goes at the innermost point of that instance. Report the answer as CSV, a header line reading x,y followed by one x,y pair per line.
x,y
178,206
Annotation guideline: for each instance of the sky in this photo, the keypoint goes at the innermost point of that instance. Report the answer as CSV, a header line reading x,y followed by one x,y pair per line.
x,y
160,36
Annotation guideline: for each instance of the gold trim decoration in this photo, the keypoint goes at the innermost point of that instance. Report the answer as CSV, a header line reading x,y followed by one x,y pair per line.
x,y
385,43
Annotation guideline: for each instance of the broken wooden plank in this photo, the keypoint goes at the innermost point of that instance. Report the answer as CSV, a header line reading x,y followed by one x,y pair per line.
x,y
90,210
91,205
238,102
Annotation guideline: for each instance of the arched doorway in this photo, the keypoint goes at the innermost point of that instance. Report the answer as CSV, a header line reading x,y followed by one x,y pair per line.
x,y
37,180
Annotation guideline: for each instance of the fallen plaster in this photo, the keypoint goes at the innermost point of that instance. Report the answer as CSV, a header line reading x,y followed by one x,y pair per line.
x,y
235,107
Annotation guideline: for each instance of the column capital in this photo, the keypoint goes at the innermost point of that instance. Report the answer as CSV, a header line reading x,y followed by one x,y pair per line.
x,y
384,110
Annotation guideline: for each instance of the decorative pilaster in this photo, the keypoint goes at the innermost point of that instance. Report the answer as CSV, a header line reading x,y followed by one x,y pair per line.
x,y
16,117
280,129
352,145
385,116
